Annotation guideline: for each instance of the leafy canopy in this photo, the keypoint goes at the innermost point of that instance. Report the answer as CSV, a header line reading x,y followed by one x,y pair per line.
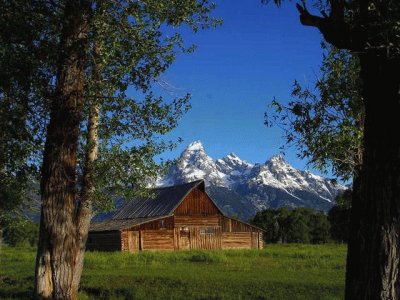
x,y
325,123
132,43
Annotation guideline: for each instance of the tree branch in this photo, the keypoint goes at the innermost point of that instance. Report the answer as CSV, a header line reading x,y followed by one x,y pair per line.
x,y
333,27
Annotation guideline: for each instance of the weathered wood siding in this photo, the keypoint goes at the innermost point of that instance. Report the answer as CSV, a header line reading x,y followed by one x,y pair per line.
x,y
197,237
181,239
236,240
233,225
167,222
182,221
197,203
162,239
130,241
200,239
104,241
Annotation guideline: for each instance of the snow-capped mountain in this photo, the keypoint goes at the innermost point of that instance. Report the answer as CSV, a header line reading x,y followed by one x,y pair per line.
x,y
241,188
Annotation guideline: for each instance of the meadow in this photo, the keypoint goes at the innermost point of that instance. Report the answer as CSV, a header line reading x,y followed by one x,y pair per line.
x,y
292,271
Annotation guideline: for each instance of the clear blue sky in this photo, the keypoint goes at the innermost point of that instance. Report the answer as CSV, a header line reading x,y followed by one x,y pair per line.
x,y
236,70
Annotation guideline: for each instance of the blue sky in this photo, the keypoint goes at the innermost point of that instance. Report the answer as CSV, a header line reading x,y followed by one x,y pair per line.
x,y
234,73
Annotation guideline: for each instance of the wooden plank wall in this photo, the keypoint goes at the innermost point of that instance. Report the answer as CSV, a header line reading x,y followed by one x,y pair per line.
x,y
238,226
183,221
169,224
181,239
124,240
254,240
196,203
130,241
157,239
236,240
205,241
104,241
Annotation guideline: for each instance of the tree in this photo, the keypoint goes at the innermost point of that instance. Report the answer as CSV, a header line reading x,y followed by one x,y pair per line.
x,y
131,32
325,124
319,228
339,217
23,105
94,51
301,225
371,29
268,220
298,229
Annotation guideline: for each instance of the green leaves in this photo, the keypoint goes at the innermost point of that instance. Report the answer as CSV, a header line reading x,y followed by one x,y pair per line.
x,y
132,43
301,225
325,124
136,42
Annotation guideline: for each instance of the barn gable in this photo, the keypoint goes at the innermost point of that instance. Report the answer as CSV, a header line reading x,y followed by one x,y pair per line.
x,y
165,201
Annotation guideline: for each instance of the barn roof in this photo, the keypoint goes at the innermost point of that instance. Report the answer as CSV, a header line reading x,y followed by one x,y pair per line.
x,y
142,210
110,225
165,201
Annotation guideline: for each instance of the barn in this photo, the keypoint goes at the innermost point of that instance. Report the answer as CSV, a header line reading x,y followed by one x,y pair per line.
x,y
179,217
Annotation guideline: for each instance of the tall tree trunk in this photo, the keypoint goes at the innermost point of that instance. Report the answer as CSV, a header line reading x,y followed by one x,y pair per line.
x,y
373,259
58,244
92,143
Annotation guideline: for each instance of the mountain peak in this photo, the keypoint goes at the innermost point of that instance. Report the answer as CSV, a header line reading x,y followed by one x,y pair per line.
x,y
233,156
272,184
195,146
277,158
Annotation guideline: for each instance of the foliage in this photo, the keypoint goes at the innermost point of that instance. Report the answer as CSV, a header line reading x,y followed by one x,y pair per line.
x,y
301,225
277,272
25,70
339,217
20,231
325,124
137,41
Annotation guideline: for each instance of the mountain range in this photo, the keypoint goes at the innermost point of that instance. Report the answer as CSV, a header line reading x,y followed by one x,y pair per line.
x,y
241,188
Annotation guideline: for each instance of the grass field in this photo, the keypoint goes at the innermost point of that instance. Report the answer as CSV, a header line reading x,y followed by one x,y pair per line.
x,y
277,272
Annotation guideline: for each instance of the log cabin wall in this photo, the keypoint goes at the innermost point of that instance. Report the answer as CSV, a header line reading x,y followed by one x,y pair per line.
x,y
155,235
236,240
104,241
157,239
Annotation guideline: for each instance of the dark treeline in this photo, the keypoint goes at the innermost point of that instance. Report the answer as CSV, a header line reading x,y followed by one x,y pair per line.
x,y
305,225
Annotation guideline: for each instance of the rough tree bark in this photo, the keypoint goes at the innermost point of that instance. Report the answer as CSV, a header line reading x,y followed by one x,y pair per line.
x,y
92,143
372,270
58,243
374,247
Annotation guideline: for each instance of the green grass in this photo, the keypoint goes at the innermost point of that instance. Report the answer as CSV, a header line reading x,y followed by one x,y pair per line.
x,y
277,272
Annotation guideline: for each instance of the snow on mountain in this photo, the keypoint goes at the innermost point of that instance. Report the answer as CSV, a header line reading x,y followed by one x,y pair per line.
x,y
243,188
235,169
194,164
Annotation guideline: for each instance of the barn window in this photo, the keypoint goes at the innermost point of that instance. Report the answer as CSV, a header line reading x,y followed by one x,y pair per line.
x,y
162,224
207,231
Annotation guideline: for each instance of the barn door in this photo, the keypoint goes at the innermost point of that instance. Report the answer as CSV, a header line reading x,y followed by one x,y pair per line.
x,y
133,241
181,238
205,237
254,240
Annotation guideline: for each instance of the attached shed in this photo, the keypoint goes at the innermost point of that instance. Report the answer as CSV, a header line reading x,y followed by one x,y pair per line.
x,y
178,217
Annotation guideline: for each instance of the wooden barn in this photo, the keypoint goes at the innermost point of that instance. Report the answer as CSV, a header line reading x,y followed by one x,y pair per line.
x,y
178,217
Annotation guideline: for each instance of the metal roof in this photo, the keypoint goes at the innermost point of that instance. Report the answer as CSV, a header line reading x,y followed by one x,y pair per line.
x,y
139,211
164,202
111,224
